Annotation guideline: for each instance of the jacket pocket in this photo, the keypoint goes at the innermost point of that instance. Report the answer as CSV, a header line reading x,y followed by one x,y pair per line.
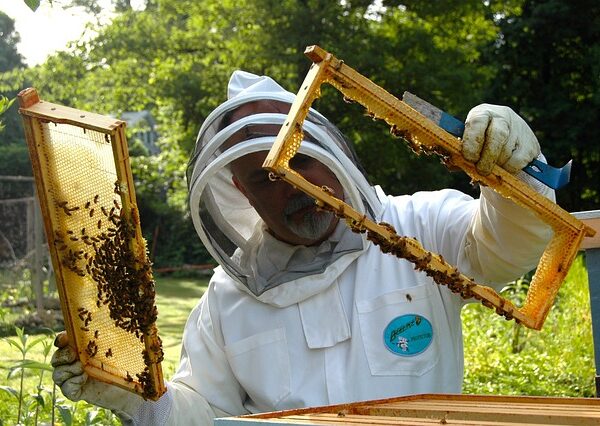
x,y
262,366
399,330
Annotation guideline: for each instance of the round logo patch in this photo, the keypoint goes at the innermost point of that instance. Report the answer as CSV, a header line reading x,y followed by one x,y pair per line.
x,y
408,335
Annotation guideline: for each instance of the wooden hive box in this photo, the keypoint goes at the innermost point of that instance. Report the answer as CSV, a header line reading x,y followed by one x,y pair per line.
x,y
438,409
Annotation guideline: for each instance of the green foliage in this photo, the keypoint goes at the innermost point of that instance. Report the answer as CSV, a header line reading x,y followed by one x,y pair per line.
x,y
9,38
42,403
30,397
32,4
24,344
174,58
507,359
548,60
14,161
10,63
5,103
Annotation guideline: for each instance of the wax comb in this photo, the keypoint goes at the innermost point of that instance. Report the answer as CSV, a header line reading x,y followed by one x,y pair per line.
x,y
426,137
84,184
554,177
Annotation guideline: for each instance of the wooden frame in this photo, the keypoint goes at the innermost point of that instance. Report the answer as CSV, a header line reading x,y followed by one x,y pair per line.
x,y
437,409
81,167
426,137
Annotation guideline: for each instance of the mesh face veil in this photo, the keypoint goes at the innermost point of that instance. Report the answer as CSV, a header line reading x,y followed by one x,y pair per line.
x,y
229,227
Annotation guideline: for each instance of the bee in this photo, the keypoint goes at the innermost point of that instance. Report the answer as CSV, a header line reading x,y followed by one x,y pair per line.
x,y
87,204
408,297
91,212
328,190
96,198
108,353
99,224
92,348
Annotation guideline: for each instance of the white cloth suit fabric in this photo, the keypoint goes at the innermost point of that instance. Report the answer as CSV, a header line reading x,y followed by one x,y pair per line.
x,y
364,325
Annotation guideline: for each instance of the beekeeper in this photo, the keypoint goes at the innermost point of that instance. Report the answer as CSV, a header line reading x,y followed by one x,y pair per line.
x,y
304,312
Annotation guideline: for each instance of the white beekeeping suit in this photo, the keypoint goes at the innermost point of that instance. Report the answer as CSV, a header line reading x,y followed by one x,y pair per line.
x,y
315,332
284,326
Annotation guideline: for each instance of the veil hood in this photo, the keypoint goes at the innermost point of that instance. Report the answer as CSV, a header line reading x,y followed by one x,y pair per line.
x,y
228,225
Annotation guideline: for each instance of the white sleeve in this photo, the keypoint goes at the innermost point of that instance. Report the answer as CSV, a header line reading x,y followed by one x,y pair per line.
x,y
203,388
171,408
505,239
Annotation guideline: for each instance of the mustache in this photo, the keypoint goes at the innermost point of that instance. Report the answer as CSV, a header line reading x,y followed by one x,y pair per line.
x,y
298,203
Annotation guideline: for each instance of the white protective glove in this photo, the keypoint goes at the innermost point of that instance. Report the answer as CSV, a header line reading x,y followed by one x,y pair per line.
x,y
76,385
497,135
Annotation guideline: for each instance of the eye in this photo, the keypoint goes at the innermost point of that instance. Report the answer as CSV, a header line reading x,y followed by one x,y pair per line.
x,y
259,178
300,161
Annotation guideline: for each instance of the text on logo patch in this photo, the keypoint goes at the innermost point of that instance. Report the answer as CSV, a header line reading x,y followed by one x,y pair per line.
x,y
408,335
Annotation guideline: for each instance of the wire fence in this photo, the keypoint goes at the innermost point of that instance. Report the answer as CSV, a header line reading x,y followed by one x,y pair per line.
x,y
25,267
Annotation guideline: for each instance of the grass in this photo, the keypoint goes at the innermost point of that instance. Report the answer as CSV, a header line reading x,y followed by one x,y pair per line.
x,y
175,298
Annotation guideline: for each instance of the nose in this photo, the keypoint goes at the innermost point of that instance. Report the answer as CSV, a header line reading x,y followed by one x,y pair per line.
x,y
284,190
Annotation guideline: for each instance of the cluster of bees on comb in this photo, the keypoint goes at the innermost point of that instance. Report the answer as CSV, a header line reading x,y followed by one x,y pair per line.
x,y
123,279
399,247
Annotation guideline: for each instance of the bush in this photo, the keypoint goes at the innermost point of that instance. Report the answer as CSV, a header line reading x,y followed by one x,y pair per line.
x,y
14,160
507,359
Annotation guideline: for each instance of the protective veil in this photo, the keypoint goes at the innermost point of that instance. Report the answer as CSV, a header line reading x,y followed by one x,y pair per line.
x,y
229,226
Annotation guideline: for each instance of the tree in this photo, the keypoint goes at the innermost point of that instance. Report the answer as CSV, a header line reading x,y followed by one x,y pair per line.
x,y
548,60
13,153
9,38
174,58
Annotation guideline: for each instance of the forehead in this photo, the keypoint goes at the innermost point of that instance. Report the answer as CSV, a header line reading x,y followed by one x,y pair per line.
x,y
245,110
257,107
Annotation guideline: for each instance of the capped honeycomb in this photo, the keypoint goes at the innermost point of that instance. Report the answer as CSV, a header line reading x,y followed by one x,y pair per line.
x,y
103,275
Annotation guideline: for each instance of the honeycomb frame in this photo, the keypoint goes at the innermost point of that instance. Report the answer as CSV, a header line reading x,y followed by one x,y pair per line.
x,y
423,136
103,276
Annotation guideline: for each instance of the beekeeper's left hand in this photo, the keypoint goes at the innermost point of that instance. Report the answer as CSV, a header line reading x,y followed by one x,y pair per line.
x,y
495,134
75,384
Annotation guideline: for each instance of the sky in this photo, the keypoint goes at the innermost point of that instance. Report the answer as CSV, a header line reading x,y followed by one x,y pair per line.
x,y
45,31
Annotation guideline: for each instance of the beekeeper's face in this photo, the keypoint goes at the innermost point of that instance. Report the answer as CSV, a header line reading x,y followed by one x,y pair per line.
x,y
289,214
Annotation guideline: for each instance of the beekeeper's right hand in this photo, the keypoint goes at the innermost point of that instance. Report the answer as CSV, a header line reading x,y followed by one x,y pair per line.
x,y
76,385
